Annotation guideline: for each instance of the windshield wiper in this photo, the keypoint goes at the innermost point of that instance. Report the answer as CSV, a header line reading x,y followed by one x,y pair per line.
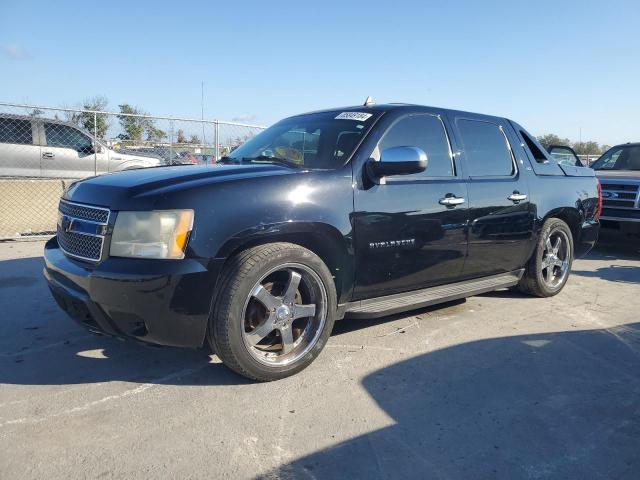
x,y
277,160
261,158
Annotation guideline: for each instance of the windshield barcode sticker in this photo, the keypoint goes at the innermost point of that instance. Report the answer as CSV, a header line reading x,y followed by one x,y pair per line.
x,y
357,116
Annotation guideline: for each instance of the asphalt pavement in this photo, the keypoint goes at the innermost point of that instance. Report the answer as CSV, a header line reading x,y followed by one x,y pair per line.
x,y
498,386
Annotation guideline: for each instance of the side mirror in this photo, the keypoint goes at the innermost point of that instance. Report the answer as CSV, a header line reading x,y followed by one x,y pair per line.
x,y
96,147
398,161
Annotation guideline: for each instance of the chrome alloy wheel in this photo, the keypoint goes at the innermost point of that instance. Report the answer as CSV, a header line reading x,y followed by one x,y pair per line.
x,y
284,315
556,259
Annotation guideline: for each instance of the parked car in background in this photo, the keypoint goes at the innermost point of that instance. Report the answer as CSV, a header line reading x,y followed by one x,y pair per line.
x,y
358,212
206,159
187,158
618,170
167,155
42,147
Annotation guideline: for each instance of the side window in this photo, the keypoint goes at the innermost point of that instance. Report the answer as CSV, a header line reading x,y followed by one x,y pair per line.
x,y
426,132
486,148
535,148
66,137
14,130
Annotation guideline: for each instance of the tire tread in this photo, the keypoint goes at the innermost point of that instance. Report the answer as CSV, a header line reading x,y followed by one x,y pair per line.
x,y
234,272
530,282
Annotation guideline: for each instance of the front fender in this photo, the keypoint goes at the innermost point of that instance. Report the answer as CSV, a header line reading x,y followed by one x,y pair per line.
x,y
312,209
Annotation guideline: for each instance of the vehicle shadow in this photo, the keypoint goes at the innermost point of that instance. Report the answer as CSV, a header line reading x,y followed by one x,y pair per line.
x,y
613,273
613,252
40,345
616,243
555,405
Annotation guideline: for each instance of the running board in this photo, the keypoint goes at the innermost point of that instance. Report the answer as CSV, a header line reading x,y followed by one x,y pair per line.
x,y
401,302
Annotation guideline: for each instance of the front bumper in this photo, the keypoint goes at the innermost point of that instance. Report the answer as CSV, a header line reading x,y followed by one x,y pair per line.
x,y
165,302
621,216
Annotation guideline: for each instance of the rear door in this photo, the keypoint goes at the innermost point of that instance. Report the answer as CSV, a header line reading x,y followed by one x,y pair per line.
x,y
68,153
501,218
19,149
410,229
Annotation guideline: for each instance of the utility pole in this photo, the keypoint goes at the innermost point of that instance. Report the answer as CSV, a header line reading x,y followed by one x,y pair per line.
x,y
202,115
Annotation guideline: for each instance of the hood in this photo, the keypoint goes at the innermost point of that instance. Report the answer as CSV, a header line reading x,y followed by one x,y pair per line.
x,y
117,190
618,174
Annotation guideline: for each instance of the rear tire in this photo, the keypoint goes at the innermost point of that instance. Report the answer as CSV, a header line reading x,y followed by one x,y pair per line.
x,y
548,269
275,309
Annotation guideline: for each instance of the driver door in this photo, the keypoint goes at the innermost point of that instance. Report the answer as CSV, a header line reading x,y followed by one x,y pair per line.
x,y
408,235
68,153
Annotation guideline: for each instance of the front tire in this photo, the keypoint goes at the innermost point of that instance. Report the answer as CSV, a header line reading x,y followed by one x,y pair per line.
x,y
548,269
274,311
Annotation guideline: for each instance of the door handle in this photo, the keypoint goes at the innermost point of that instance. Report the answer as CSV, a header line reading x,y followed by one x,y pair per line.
x,y
48,155
517,197
451,201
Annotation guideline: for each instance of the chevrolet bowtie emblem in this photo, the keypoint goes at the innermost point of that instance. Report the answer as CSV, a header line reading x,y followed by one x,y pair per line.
x,y
66,224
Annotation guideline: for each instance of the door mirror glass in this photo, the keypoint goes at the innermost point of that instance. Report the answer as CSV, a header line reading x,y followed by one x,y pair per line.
x,y
399,161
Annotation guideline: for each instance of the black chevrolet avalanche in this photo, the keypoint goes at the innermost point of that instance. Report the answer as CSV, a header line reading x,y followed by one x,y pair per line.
x,y
356,212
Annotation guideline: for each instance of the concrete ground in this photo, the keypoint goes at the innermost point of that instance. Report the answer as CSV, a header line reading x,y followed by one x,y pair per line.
x,y
497,386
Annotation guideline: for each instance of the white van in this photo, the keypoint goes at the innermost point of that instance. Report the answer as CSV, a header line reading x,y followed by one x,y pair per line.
x,y
41,147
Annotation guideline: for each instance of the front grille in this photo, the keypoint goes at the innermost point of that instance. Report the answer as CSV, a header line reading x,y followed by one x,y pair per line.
x,y
81,230
620,186
79,245
620,195
83,212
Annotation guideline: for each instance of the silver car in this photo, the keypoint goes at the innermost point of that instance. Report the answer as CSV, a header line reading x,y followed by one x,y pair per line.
x,y
41,147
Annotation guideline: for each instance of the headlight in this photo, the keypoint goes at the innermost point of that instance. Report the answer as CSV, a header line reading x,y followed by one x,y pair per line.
x,y
158,234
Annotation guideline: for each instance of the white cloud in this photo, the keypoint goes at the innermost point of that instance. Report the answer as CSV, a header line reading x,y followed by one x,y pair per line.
x,y
244,118
15,52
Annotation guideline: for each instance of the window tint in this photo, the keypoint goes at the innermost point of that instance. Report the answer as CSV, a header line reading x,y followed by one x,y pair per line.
x,y
425,132
486,149
66,137
13,130
534,146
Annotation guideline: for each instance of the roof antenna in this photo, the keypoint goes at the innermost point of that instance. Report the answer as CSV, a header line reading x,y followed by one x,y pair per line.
x,y
369,101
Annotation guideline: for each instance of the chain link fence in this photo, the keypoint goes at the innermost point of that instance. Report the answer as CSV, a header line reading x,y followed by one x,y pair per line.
x,y
44,149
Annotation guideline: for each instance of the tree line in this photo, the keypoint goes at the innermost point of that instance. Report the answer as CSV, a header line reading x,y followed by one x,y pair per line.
x,y
581,148
138,129
134,128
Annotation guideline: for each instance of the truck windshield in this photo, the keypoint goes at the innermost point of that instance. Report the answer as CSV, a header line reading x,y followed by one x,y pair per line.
x,y
320,141
619,158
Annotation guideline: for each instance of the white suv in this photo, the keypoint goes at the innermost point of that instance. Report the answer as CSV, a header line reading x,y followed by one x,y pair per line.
x,y
40,147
